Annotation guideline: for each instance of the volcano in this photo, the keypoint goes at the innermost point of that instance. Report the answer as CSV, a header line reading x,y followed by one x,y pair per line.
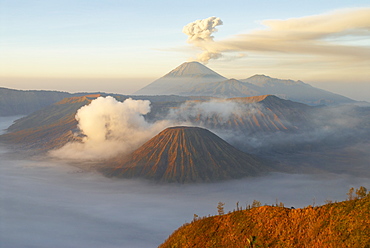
x,y
181,79
186,154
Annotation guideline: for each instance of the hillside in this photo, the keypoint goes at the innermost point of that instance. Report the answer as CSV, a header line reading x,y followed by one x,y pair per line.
x,y
294,90
22,102
247,115
224,89
48,128
186,154
334,225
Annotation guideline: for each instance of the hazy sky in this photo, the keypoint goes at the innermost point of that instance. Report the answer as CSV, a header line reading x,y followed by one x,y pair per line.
x,y
120,46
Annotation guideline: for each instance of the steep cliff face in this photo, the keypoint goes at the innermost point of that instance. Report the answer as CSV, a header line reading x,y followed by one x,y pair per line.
x,y
186,154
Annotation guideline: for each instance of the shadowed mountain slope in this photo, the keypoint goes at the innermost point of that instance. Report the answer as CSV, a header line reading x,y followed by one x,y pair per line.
x,y
265,113
186,154
22,102
343,224
294,90
224,89
182,78
48,128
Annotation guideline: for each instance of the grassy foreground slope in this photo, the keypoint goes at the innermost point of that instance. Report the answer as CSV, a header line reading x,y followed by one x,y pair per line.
x,y
343,224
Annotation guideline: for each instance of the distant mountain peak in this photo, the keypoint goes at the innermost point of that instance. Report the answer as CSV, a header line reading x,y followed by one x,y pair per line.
x,y
191,69
260,76
263,80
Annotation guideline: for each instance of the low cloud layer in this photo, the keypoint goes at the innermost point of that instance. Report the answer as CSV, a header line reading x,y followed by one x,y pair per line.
x,y
109,128
49,204
328,36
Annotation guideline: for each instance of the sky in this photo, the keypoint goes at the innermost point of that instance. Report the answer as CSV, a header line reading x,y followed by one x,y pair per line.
x,y
120,46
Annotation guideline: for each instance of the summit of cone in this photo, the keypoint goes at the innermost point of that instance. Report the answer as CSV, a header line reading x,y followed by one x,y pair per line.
x,y
186,154
193,69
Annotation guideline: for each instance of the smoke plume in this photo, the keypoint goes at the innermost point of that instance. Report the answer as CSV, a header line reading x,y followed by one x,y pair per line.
x,y
324,37
110,127
200,34
200,113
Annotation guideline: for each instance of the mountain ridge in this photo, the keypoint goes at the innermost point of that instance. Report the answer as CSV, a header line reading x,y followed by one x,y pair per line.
x,y
195,79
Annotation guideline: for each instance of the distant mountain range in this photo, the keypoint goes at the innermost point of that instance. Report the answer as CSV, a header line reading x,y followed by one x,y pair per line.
x,y
189,80
195,79
186,154
52,127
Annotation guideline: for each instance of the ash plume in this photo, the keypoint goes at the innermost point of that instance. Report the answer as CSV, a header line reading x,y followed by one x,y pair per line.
x,y
321,36
200,33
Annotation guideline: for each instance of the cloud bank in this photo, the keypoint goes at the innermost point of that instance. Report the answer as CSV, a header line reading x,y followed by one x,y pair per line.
x,y
47,204
334,34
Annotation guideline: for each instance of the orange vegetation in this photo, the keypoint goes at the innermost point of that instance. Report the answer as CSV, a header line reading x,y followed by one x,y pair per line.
x,y
344,224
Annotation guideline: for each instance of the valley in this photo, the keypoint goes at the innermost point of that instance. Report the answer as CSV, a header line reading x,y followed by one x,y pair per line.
x,y
124,165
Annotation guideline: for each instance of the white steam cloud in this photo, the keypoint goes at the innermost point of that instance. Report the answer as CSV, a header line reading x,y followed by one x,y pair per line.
x,y
110,127
201,113
200,33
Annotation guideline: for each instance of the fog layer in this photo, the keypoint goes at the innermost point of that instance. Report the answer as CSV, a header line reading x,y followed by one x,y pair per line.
x,y
47,203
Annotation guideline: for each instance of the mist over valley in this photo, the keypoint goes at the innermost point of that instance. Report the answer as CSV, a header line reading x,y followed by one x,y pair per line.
x,y
168,157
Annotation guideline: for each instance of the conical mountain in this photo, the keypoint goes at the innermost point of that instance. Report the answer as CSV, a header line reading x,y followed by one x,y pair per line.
x,y
186,154
182,78
193,69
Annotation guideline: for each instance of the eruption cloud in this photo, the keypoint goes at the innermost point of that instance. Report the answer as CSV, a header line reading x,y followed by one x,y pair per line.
x,y
109,128
200,33
323,36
